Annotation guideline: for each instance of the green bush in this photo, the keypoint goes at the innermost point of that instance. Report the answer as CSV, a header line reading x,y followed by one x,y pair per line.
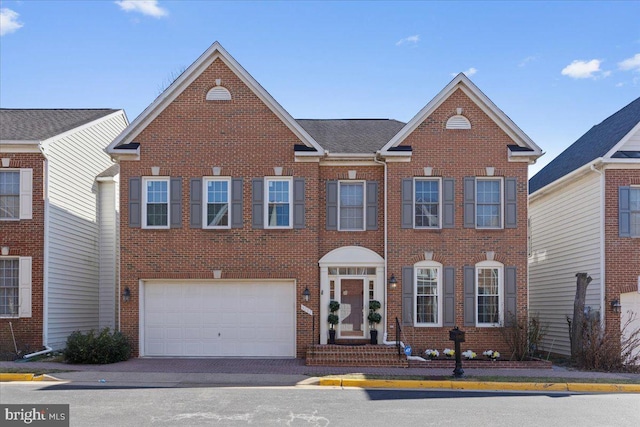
x,y
89,348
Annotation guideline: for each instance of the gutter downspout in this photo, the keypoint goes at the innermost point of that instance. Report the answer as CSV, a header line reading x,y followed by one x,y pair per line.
x,y
386,302
602,244
45,261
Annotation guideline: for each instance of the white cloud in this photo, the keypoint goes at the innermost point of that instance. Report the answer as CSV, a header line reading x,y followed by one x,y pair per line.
x,y
630,64
411,39
9,21
470,72
585,70
526,61
146,7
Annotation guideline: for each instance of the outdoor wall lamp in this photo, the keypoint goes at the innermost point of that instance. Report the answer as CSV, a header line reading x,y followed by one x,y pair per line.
x,y
306,294
615,305
126,294
392,281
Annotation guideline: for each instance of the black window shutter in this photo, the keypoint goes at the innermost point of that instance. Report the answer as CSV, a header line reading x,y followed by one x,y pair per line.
x,y
510,296
135,202
624,211
195,203
448,203
298,203
175,203
469,202
511,202
332,205
449,297
469,296
407,203
257,203
372,205
236,202
407,295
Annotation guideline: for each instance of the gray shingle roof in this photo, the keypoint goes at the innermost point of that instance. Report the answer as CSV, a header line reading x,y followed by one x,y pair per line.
x,y
41,124
351,135
599,140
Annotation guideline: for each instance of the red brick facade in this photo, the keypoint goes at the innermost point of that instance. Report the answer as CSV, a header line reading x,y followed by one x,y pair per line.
x,y
247,140
621,253
25,238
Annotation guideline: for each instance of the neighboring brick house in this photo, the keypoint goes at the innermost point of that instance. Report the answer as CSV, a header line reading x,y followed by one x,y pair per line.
x,y
584,210
48,222
235,217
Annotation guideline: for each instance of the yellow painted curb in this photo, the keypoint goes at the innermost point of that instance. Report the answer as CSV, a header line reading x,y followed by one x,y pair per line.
x,y
481,385
6,377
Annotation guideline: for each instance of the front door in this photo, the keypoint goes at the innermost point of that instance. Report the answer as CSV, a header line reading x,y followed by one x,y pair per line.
x,y
352,308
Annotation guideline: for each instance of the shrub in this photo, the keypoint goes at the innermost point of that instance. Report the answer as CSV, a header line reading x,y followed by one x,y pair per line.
x,y
89,348
523,336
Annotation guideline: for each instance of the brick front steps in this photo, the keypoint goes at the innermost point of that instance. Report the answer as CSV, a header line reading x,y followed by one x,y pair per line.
x,y
355,355
383,355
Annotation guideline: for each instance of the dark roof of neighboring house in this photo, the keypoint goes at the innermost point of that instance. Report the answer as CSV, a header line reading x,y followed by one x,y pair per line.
x,y
41,124
599,140
351,135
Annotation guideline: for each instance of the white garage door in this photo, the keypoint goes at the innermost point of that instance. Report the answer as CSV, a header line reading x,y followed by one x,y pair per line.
x,y
630,316
214,319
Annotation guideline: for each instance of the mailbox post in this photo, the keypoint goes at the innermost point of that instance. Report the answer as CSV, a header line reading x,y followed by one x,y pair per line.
x,y
457,336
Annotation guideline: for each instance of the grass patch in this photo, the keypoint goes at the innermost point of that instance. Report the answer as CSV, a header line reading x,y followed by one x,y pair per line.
x,y
35,371
501,379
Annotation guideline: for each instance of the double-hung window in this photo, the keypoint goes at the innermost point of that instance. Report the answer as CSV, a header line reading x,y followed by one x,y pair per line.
x,y
278,196
489,203
351,206
155,208
9,195
427,202
9,287
634,205
428,294
489,290
216,207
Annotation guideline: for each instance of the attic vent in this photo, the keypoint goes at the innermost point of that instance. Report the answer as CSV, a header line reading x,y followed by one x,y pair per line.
x,y
218,93
458,122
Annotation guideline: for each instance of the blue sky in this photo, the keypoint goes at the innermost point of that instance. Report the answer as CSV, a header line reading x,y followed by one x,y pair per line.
x,y
555,68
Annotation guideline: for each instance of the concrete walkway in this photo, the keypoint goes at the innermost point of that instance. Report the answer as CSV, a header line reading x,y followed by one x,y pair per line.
x,y
177,372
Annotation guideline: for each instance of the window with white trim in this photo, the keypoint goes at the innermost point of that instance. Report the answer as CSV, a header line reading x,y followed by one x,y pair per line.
x,y
155,207
10,194
216,206
279,199
427,203
351,206
489,293
634,207
428,293
489,202
9,287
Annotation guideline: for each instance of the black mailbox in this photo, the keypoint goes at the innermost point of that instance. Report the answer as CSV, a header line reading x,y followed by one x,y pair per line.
x,y
456,335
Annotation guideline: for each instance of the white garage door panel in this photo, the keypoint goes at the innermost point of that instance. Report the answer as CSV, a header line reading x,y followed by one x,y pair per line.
x,y
209,319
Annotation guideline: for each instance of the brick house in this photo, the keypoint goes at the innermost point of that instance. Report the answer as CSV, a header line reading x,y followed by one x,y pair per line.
x,y
238,221
584,210
49,223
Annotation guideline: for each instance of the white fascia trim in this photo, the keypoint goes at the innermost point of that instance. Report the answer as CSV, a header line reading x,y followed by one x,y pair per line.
x,y
463,82
623,141
622,163
125,154
560,182
19,146
214,52
347,162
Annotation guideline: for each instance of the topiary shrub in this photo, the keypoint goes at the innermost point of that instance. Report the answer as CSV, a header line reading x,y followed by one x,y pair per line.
x,y
89,348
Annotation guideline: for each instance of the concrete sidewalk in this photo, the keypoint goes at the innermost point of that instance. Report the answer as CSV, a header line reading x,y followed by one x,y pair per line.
x,y
178,372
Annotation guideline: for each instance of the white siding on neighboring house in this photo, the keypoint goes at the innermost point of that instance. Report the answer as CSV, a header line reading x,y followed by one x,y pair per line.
x,y
570,243
108,222
633,144
73,266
